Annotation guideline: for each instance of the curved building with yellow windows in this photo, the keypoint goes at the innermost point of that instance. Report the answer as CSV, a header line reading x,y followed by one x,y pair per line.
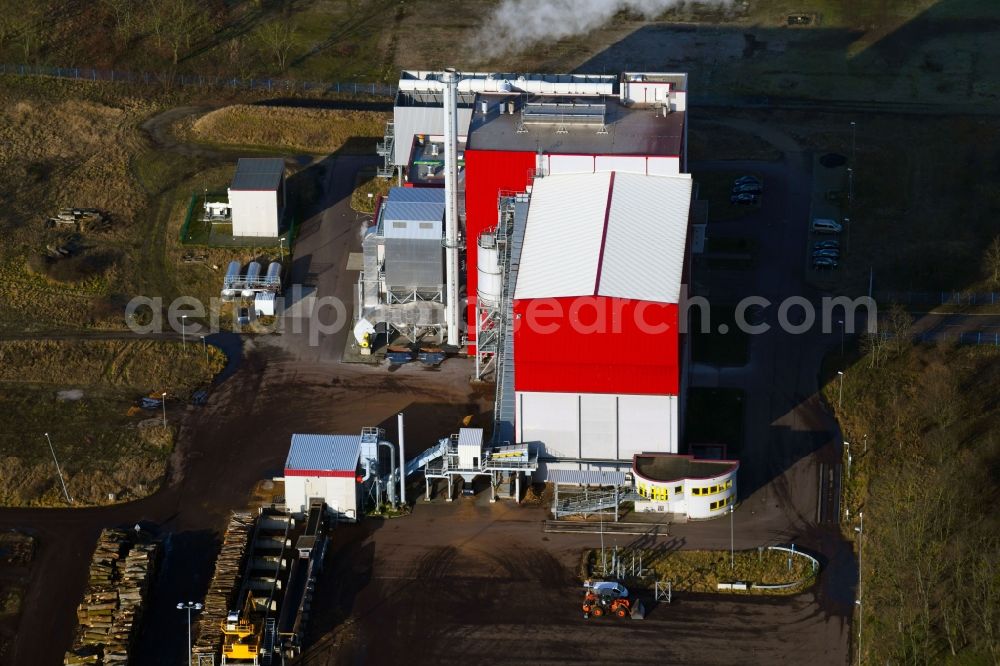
x,y
681,484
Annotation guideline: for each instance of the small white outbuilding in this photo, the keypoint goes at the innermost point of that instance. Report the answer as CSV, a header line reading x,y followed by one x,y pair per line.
x,y
324,467
257,196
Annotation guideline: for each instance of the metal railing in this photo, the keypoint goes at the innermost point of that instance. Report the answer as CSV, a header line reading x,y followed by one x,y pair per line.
x,y
939,297
171,79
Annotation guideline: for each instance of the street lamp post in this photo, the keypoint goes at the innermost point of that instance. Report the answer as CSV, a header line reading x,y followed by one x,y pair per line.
x,y
189,606
840,395
854,135
281,248
732,551
184,321
163,397
205,346
847,447
850,185
69,500
847,235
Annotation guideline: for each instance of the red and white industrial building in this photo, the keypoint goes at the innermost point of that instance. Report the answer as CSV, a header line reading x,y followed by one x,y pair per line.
x,y
572,205
597,351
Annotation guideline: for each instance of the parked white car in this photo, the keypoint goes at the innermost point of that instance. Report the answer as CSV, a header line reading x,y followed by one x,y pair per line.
x,y
824,225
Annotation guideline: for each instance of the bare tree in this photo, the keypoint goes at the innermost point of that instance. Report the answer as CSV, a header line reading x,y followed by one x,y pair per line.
x,y
897,327
278,37
991,262
24,25
180,19
8,23
123,13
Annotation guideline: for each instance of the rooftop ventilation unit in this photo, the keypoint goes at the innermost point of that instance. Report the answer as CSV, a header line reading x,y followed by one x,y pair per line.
x,y
564,113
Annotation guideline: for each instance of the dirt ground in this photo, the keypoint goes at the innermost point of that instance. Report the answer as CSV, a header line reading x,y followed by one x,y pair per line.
x,y
485,582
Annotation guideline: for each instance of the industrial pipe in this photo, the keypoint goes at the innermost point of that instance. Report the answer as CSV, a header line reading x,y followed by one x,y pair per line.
x,y
450,80
392,470
402,461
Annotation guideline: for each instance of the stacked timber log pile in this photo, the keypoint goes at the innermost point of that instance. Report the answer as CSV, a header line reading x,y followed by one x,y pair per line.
x,y
225,584
135,573
117,584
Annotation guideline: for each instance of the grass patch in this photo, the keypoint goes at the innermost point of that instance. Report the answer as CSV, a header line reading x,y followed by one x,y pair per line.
x,y
104,447
710,141
62,151
142,364
715,416
298,129
703,570
365,183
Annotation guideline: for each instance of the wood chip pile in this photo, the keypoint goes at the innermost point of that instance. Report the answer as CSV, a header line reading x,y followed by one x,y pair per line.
x,y
117,585
226,582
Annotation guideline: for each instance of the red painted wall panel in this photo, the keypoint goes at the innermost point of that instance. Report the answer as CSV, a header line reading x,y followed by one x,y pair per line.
x,y
596,344
487,172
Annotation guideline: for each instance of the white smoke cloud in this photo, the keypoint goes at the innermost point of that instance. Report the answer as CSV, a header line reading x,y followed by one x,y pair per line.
x,y
517,24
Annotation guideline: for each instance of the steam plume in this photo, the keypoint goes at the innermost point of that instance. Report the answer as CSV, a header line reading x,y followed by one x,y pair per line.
x,y
516,24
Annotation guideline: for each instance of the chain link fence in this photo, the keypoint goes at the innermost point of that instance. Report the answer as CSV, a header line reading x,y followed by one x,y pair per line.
x,y
989,338
164,79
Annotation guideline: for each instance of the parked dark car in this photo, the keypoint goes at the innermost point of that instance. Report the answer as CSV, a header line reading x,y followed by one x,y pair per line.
x,y
829,254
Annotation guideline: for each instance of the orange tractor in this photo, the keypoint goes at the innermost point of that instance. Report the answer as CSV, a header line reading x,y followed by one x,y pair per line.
x,y
609,598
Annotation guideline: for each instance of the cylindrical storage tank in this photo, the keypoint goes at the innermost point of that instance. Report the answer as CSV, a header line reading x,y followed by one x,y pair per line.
x,y
232,278
274,274
253,274
490,284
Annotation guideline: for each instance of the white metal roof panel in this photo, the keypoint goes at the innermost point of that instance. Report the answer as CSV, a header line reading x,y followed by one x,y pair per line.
x,y
642,230
562,240
416,195
470,437
585,477
325,453
646,237
404,219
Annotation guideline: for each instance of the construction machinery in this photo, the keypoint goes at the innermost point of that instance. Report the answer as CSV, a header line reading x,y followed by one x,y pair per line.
x,y
605,597
241,635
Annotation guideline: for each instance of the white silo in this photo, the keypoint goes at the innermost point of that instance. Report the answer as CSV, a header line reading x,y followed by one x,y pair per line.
x,y
273,278
490,275
253,275
232,279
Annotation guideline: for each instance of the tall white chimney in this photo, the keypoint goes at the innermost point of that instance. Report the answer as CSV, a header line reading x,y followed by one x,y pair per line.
x,y
452,309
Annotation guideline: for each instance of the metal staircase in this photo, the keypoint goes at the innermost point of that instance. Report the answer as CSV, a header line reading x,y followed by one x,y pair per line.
x,y
513,219
270,634
386,149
